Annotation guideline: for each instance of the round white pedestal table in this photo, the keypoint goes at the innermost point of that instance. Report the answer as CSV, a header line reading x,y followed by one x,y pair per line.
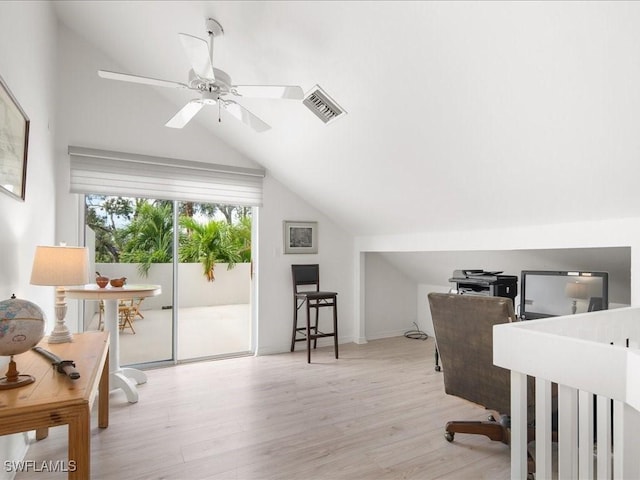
x,y
119,377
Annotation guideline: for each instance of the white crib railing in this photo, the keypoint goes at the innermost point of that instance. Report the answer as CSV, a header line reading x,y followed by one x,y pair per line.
x,y
594,359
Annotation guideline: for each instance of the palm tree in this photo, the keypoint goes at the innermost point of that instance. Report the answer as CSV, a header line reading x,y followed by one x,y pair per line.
x,y
149,236
208,243
241,233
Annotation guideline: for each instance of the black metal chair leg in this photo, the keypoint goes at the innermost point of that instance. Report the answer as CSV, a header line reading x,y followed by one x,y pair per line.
x,y
335,324
315,327
295,324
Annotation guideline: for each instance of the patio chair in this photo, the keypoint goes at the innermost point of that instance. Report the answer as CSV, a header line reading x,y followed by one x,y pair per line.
x,y
126,313
136,303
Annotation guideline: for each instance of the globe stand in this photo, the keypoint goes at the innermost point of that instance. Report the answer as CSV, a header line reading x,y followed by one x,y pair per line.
x,y
14,378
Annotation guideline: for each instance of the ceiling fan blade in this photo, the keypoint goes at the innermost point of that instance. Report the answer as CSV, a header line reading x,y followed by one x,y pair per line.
x,y
197,51
185,114
245,116
291,92
125,77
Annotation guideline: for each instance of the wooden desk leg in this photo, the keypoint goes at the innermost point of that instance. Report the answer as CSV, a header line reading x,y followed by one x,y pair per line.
x,y
80,444
42,433
103,395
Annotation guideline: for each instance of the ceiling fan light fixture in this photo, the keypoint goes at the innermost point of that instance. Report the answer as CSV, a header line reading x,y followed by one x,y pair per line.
x,y
322,105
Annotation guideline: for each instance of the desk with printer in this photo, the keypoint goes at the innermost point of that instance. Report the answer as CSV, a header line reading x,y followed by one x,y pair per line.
x,y
488,284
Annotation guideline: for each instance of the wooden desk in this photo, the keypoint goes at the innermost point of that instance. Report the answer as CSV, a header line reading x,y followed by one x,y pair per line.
x,y
119,377
54,399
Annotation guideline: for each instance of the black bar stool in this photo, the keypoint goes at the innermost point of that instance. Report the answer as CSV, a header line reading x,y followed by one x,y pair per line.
x,y
308,277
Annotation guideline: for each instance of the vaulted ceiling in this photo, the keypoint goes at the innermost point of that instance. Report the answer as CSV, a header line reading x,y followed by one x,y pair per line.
x,y
460,114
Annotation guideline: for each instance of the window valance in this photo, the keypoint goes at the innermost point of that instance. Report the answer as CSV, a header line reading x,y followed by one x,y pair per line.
x,y
126,174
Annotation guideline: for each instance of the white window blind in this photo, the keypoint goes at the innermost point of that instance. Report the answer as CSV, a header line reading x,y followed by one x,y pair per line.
x,y
126,174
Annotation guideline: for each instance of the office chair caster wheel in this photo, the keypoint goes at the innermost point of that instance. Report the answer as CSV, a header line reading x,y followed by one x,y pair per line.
x,y
437,368
448,436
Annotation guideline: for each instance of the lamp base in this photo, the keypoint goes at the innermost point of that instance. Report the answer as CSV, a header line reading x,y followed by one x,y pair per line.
x,y
60,333
60,336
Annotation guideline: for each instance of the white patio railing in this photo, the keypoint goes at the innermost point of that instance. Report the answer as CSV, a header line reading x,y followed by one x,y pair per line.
x,y
595,361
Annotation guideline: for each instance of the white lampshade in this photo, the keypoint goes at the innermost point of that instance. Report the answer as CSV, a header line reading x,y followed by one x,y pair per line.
x,y
577,290
60,266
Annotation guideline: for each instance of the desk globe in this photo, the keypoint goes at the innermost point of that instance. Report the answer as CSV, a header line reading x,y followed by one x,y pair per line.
x,y
21,327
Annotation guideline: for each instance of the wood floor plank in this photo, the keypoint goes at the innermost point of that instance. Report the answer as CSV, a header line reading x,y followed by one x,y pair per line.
x,y
376,413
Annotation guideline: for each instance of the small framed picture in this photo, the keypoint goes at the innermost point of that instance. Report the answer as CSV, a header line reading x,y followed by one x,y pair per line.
x,y
14,139
300,237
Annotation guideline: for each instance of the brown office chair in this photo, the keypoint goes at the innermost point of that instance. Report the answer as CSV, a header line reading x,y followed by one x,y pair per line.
x,y
463,326
306,292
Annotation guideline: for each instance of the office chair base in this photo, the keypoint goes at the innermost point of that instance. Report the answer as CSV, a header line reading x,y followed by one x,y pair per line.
x,y
497,431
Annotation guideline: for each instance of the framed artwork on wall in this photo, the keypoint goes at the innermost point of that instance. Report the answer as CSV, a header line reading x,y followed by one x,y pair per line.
x,y
300,237
14,139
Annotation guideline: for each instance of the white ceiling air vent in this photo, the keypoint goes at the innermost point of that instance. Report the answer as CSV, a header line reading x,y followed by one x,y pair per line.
x,y
320,103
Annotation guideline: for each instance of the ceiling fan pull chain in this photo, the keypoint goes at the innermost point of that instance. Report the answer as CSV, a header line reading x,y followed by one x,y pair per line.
x,y
219,107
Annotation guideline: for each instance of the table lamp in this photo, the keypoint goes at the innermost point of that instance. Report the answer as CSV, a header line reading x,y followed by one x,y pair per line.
x,y
576,291
60,266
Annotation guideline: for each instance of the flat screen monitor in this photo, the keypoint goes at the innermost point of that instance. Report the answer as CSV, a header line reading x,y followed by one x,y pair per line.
x,y
554,293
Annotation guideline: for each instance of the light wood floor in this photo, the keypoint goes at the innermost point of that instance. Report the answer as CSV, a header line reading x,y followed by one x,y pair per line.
x,y
376,413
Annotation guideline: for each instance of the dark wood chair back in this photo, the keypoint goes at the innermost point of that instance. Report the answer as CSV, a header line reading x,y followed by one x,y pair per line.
x,y
305,275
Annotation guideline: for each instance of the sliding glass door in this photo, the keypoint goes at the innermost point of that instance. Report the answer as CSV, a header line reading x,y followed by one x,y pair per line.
x,y
198,253
214,278
132,238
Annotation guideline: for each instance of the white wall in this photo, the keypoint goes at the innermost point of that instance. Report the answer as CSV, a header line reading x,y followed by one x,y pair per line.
x,y
422,304
390,305
27,65
27,60
335,257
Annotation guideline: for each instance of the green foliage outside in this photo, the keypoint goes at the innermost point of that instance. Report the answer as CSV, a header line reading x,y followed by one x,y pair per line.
x,y
129,230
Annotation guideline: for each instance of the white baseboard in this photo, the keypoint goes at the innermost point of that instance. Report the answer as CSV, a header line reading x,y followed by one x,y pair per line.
x,y
387,334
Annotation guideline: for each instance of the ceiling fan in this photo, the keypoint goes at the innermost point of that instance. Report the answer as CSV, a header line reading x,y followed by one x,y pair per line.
x,y
214,85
